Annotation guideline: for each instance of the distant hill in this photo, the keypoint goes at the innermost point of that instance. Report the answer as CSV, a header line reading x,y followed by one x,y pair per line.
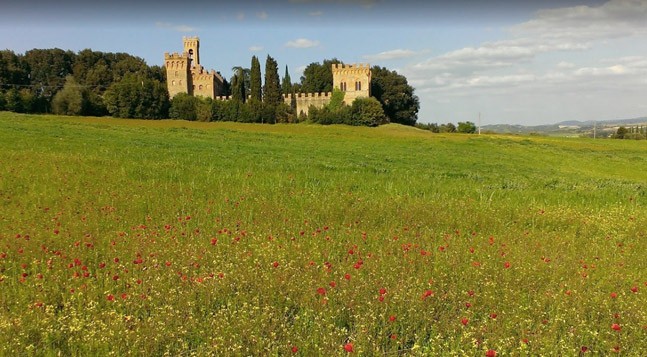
x,y
567,128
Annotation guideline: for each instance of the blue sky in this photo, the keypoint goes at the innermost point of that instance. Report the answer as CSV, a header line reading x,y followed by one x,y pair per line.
x,y
516,62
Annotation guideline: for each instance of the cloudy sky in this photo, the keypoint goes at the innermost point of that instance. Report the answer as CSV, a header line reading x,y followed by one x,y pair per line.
x,y
515,62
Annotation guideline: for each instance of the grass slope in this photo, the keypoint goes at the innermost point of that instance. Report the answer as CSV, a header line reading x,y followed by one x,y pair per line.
x,y
171,237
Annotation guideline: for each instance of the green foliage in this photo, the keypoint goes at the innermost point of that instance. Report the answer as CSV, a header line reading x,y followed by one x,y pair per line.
x,y
396,95
238,91
183,106
272,87
48,69
447,128
466,127
367,112
621,132
286,83
255,80
336,100
138,97
71,100
317,78
13,70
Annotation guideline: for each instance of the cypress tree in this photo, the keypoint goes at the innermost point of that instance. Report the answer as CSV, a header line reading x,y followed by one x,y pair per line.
x,y
286,86
255,79
272,87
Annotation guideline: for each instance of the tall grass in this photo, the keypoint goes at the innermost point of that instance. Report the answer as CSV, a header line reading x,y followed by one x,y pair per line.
x,y
131,237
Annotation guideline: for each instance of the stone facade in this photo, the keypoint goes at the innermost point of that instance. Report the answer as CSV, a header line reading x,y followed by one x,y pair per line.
x,y
185,75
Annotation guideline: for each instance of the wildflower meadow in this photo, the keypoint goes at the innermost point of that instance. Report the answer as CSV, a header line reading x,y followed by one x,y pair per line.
x,y
127,237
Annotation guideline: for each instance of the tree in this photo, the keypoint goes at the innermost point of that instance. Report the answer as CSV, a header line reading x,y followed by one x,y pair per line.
x,y
255,80
272,88
245,74
183,106
447,128
238,92
13,70
286,83
48,69
367,112
621,133
317,78
136,96
396,96
71,100
466,127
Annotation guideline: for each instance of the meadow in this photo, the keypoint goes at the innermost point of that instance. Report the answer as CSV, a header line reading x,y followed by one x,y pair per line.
x,y
128,237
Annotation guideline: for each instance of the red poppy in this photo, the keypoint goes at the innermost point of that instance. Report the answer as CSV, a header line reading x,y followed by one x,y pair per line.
x,y
392,318
348,347
614,295
584,349
110,297
634,289
321,291
506,265
464,321
382,291
275,264
493,315
332,284
490,353
294,349
616,327
347,276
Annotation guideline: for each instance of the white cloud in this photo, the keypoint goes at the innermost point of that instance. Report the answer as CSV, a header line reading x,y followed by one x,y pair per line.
x,y
179,28
302,43
390,55
262,15
256,48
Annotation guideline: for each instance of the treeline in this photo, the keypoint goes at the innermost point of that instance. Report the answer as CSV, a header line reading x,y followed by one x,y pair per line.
x,y
121,85
463,127
637,132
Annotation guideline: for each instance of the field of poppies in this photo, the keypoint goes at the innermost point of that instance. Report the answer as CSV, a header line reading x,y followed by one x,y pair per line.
x,y
127,237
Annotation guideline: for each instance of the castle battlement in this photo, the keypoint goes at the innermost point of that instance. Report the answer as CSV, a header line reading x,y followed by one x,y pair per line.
x,y
351,66
313,95
174,55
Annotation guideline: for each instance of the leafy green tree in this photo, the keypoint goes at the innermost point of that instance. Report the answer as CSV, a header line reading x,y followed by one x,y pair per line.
x,y
136,96
367,112
466,127
183,106
272,88
13,101
317,78
2,101
447,128
246,75
621,132
48,69
255,80
71,100
13,70
396,95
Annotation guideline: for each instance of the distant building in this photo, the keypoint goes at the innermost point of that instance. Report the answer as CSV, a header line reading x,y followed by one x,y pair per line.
x,y
185,74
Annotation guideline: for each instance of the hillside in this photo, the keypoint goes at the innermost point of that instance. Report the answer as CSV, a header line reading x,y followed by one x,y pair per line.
x,y
136,237
603,128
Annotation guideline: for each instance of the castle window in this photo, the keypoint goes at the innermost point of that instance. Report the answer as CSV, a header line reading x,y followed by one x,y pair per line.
x,y
342,86
358,86
200,87
173,83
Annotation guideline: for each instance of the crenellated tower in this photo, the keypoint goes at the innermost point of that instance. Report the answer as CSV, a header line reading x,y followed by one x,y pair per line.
x,y
185,74
353,79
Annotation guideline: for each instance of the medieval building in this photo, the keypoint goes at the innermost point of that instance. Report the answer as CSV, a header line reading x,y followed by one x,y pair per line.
x,y
185,75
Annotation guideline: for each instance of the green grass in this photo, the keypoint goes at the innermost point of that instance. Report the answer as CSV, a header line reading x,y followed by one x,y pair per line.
x,y
224,233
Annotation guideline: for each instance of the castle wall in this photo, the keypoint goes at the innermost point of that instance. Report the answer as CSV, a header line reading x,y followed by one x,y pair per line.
x,y
305,100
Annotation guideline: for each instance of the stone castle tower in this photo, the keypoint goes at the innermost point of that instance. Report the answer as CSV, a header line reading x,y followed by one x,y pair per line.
x,y
185,74
353,79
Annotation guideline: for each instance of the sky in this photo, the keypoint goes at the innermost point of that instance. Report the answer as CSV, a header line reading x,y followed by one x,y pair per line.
x,y
514,62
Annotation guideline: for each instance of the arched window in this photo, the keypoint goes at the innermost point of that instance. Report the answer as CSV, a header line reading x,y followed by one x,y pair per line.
x,y
200,87
172,82
358,86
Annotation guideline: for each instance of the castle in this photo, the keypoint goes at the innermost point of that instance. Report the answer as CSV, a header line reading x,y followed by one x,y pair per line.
x,y
185,74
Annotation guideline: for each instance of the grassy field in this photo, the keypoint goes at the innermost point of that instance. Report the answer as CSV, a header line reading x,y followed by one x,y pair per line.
x,y
127,237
